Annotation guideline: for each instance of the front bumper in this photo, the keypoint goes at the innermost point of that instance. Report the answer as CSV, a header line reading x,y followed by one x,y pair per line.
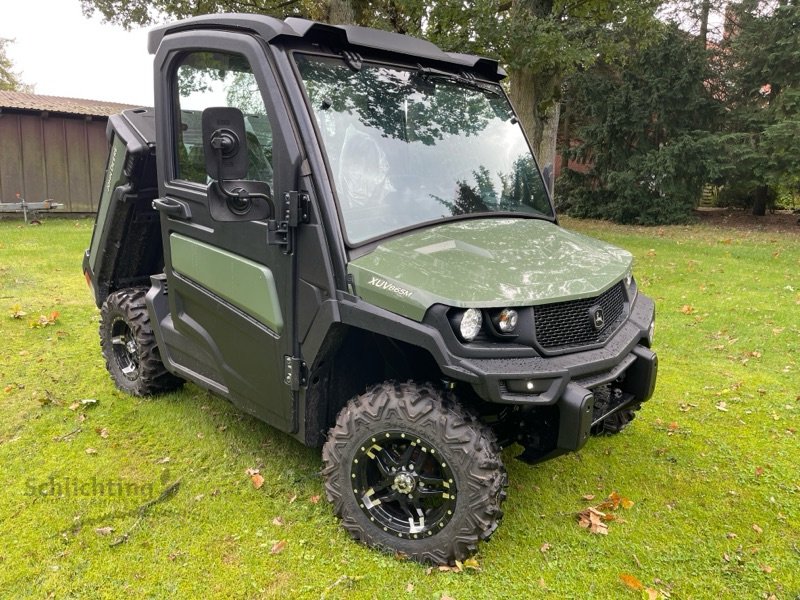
x,y
563,383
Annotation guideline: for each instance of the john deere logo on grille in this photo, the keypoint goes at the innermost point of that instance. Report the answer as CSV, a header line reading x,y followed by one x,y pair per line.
x,y
597,317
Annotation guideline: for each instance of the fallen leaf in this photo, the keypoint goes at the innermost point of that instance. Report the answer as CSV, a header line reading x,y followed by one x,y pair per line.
x,y
730,535
17,312
91,451
722,406
587,497
592,519
759,471
278,521
164,460
258,480
545,547
293,499
252,471
631,581
472,563
444,568
103,433
542,583
8,389
757,529
104,530
766,568
314,499
687,309
409,588
626,503
278,547
446,597
74,406
652,594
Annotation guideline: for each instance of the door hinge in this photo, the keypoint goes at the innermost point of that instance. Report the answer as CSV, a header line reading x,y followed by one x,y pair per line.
x,y
291,211
294,372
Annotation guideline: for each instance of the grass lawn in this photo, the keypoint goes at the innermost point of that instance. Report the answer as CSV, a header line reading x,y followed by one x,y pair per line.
x,y
711,462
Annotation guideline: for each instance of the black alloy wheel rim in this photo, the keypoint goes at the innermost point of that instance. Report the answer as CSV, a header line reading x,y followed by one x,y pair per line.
x,y
125,349
403,484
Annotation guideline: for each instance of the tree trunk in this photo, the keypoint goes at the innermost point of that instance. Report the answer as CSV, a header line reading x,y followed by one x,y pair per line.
x,y
541,126
760,201
340,12
705,10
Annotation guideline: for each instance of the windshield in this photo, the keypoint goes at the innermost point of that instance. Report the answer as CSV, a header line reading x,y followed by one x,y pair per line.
x,y
410,146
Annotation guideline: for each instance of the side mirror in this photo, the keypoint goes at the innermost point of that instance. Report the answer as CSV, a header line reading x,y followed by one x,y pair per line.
x,y
224,143
230,196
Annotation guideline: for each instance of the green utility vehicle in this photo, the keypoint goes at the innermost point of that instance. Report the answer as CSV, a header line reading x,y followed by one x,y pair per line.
x,y
344,232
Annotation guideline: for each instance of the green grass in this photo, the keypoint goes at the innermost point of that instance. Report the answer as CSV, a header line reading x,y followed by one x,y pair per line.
x,y
728,304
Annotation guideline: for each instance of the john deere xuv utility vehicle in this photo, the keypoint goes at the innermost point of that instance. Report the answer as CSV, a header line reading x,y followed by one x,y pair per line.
x,y
345,233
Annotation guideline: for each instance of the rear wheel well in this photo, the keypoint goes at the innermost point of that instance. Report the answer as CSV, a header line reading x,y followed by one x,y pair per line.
x,y
350,361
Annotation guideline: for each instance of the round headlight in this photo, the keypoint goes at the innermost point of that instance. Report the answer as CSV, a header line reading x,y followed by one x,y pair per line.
x,y
470,325
507,320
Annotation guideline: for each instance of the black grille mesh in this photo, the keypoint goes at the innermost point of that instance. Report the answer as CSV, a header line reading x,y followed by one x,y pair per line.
x,y
567,324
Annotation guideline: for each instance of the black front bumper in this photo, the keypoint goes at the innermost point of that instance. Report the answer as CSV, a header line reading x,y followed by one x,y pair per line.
x,y
567,381
562,383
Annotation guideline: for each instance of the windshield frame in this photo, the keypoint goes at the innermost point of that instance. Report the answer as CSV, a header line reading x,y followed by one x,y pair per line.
x,y
368,244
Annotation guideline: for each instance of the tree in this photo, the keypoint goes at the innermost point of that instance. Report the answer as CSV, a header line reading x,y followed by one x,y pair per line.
x,y
761,137
646,131
541,41
9,78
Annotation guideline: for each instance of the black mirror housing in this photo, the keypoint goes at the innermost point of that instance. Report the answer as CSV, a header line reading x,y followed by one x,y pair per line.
x,y
224,143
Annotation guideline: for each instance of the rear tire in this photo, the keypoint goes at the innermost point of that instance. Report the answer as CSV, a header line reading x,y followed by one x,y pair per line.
x,y
129,345
411,472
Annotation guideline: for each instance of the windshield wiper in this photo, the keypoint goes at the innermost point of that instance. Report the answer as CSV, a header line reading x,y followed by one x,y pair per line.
x,y
466,79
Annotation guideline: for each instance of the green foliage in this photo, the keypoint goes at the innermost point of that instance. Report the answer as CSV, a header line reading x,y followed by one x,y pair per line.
x,y
9,78
644,131
760,140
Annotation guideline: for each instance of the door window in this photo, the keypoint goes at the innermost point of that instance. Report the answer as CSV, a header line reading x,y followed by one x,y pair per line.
x,y
212,79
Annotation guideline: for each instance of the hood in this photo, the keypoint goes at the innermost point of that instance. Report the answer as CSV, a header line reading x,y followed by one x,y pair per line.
x,y
485,263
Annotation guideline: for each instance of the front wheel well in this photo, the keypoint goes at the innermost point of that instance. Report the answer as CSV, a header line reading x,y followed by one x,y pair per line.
x,y
350,361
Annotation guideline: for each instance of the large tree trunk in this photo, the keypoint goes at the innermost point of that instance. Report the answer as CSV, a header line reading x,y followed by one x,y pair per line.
x,y
760,201
541,125
340,12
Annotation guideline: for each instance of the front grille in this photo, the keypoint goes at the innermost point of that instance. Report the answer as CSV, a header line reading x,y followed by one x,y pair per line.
x,y
567,325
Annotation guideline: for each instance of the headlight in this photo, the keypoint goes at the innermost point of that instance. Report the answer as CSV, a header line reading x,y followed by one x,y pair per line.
x,y
469,325
506,320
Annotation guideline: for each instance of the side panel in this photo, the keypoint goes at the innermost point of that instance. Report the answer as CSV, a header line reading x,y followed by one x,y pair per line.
x,y
244,283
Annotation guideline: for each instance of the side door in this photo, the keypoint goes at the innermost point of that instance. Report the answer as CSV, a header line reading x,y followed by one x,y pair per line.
x,y
229,290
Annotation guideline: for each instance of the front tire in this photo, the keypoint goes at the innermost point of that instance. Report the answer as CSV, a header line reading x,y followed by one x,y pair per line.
x,y
129,345
410,472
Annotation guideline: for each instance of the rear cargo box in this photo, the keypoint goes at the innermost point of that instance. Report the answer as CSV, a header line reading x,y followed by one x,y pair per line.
x,y
126,242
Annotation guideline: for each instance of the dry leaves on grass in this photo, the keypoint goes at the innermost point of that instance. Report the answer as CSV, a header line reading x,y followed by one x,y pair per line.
x,y
45,320
633,582
16,312
595,518
256,478
278,547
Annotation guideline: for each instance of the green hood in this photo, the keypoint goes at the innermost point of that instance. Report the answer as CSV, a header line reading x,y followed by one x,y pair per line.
x,y
486,263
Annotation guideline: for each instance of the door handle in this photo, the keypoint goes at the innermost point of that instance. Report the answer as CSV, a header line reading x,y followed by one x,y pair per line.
x,y
172,208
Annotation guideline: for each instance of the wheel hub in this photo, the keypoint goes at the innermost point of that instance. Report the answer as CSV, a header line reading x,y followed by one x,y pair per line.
x,y
402,483
405,483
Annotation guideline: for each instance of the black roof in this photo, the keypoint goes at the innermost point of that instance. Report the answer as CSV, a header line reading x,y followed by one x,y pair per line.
x,y
271,29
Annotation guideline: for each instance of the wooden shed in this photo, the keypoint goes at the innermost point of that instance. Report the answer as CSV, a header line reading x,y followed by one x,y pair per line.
x,y
53,148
